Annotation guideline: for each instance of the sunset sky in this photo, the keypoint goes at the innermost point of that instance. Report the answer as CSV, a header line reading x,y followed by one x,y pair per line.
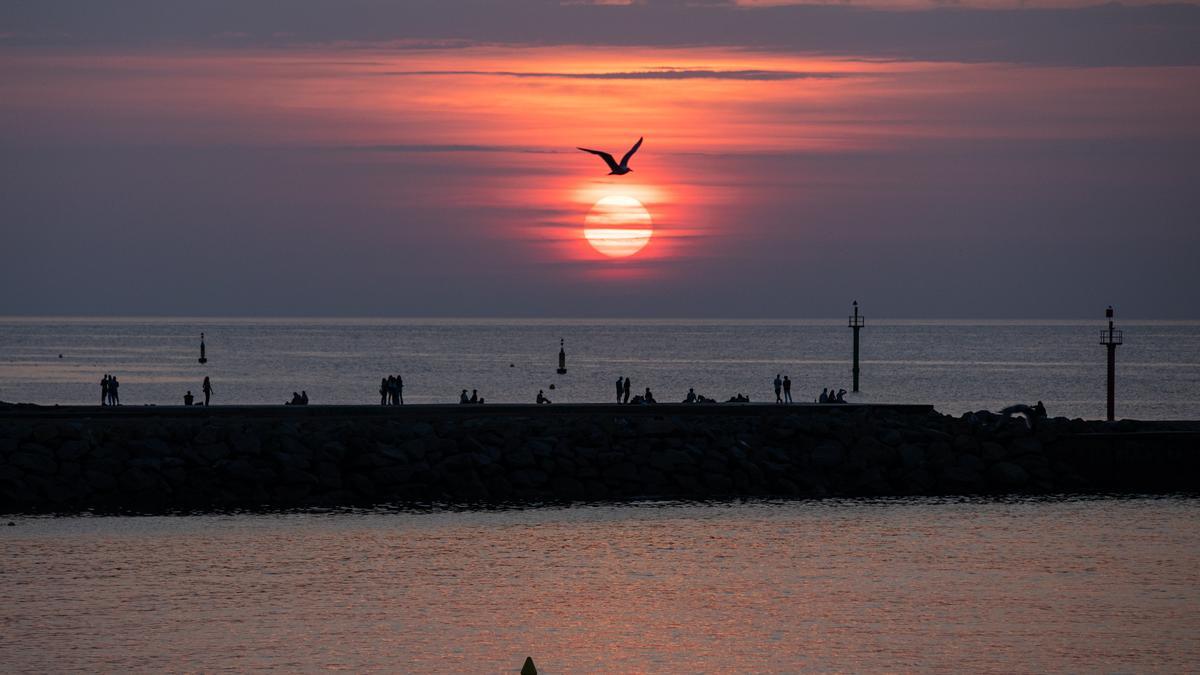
x,y
321,157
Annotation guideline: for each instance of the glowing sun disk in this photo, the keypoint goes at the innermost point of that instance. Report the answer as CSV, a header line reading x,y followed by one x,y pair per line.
x,y
618,226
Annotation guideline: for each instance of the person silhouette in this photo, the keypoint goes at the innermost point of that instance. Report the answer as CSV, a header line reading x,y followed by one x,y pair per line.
x,y
303,397
463,398
188,398
841,396
104,390
383,391
778,388
399,390
620,388
625,388
114,394
207,389
474,396
691,396
541,397
824,396
787,389
649,398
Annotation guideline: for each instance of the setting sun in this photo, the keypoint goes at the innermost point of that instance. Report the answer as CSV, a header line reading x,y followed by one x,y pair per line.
x,y
618,226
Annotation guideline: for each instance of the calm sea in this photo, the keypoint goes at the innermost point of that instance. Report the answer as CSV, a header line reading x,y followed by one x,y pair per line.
x,y
1110,585
956,365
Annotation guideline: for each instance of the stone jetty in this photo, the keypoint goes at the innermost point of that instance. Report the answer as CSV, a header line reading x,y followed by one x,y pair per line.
x,y
164,459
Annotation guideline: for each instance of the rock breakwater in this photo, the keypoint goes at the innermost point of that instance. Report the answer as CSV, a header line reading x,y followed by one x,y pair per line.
x,y
182,459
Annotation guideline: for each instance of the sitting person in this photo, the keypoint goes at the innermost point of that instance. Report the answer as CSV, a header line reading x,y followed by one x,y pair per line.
x,y
649,398
637,400
303,397
824,397
463,398
541,397
296,400
841,396
188,398
691,396
474,396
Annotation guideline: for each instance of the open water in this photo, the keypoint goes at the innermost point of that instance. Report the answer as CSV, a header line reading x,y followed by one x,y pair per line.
x,y
1091,585
955,365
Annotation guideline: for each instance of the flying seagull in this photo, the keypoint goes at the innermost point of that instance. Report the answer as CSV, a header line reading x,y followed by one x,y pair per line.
x,y
617,169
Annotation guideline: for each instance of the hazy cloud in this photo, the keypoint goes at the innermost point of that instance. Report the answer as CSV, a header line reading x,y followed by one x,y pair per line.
x,y
1109,34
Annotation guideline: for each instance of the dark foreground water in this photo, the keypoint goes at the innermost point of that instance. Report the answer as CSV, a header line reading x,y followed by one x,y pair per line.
x,y
1025,586
955,365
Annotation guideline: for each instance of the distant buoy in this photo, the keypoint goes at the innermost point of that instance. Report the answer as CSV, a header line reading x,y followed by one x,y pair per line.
x,y
203,358
528,668
551,385
562,358
60,356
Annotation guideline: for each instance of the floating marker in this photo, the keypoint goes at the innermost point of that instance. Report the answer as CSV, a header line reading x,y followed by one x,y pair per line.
x,y
203,358
562,358
528,668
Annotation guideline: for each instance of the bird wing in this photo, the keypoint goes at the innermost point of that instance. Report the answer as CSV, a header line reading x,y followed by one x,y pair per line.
x,y
625,159
608,159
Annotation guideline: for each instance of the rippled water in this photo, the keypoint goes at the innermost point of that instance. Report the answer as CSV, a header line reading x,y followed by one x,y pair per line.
x,y
956,365
1024,586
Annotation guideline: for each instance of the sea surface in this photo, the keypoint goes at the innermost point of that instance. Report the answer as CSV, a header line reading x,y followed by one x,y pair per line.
x,y
956,365
1069,585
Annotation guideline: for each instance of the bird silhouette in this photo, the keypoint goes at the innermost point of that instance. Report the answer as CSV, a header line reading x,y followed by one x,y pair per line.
x,y
617,169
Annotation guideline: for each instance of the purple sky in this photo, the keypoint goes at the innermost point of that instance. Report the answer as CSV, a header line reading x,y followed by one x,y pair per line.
x,y
1007,159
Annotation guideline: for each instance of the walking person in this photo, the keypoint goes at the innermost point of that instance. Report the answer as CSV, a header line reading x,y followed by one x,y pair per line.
x,y
207,389
104,390
620,388
778,388
787,389
625,390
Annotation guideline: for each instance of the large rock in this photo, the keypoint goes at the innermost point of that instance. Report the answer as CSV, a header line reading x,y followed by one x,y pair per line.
x,y
1008,476
34,459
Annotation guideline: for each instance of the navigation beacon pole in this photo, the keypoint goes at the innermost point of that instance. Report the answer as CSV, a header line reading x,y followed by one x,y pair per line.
x,y
856,323
562,358
1111,338
203,358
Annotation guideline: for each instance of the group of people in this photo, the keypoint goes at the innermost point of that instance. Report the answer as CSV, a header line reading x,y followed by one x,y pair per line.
x,y
473,398
298,399
391,390
623,390
110,390
828,396
693,397
784,387
206,388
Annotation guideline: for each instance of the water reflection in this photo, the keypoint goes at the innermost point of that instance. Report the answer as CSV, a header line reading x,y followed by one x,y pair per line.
x,y
1018,585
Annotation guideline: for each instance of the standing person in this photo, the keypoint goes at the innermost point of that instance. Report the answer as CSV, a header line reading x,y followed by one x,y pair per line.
x,y
114,395
104,390
778,388
207,389
620,388
383,391
399,390
625,390
787,389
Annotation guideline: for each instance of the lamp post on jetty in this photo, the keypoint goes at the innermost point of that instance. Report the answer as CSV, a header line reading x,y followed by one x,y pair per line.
x,y
562,358
1111,339
856,323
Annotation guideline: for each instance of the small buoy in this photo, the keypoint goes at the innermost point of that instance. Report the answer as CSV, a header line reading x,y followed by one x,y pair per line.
x,y
203,358
528,668
60,356
551,385
511,365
